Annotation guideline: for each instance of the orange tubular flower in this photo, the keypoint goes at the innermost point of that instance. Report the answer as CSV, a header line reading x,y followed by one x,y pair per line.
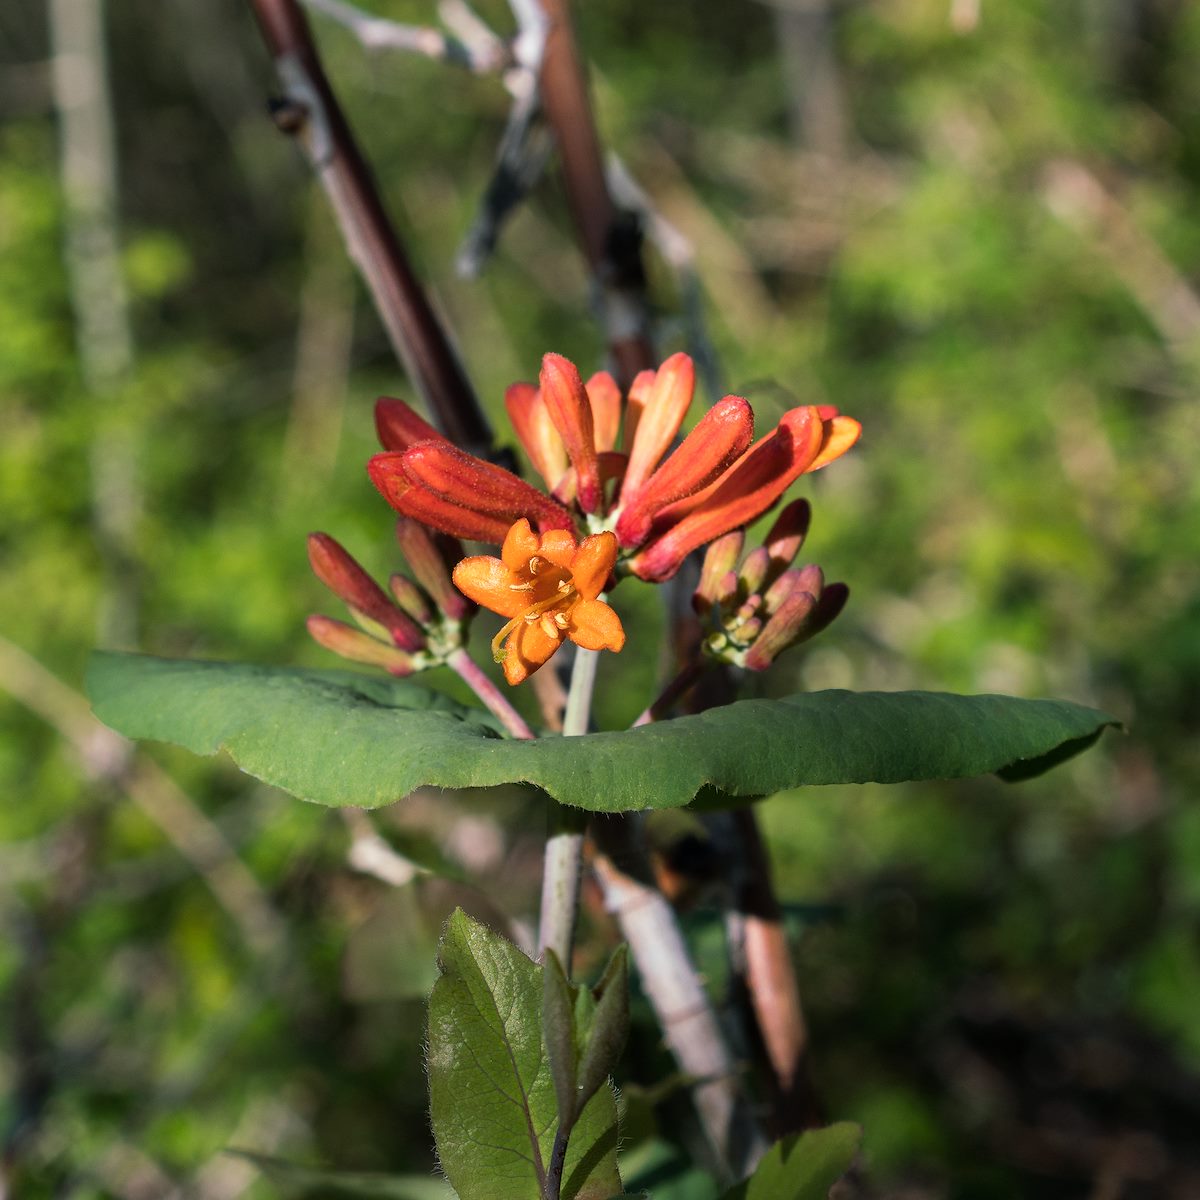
x,y
661,505
548,588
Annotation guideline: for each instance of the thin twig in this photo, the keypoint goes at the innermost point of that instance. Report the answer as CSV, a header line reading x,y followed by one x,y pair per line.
x,y
311,114
673,692
482,52
461,663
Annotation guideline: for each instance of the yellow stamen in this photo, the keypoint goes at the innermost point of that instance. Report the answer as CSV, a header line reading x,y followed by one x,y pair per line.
x,y
550,626
561,620
530,615
520,587
535,565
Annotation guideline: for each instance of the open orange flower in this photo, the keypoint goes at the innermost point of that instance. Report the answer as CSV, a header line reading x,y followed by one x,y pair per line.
x,y
547,585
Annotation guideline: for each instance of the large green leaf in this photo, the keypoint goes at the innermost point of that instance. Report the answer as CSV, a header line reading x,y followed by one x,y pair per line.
x,y
338,738
802,1167
491,1094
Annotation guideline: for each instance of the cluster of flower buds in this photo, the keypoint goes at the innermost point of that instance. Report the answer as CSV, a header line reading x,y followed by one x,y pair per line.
x,y
718,479
418,626
764,605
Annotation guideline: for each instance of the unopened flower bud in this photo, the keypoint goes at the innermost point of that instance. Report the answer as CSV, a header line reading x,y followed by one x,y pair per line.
x,y
781,630
339,572
432,557
411,599
799,579
720,558
351,643
754,570
787,534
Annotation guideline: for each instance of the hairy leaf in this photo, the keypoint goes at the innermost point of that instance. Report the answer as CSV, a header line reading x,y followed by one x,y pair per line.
x,y
802,1167
338,738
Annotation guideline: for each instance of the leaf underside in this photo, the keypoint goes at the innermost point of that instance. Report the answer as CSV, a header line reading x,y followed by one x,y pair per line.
x,y
340,738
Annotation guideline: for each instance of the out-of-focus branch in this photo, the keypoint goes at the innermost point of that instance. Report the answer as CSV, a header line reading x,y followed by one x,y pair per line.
x,y
1080,199
476,47
106,755
103,338
771,982
310,113
675,991
611,239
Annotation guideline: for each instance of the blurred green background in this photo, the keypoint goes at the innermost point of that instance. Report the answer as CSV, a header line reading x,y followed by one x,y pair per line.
x,y
970,223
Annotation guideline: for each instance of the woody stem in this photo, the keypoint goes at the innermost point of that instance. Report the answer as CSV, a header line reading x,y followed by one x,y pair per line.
x,y
564,845
461,663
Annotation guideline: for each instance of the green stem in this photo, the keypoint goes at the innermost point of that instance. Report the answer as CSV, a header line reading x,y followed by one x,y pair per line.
x,y
564,844
461,663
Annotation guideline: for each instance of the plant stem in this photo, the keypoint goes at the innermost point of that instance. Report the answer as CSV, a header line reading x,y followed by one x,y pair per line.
x,y
564,843
558,1160
461,663
674,691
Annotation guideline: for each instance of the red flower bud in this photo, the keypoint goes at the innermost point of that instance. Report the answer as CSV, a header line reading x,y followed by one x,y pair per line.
x,y
719,559
399,427
423,505
781,630
567,402
432,557
605,397
720,438
754,570
338,571
541,441
357,646
657,420
787,534
744,492
805,579
411,599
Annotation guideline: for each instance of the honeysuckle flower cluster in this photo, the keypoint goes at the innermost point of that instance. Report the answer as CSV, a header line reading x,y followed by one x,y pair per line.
x,y
659,508
618,501
760,607
419,625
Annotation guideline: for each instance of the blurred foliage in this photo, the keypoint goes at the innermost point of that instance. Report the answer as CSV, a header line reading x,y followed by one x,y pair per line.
x,y
998,275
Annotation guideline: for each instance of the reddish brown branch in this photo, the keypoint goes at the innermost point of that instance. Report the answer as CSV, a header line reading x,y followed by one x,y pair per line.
x,y
310,112
610,239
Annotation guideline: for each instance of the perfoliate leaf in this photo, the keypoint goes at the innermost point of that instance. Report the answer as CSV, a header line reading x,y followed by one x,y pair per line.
x,y
492,1097
802,1167
338,738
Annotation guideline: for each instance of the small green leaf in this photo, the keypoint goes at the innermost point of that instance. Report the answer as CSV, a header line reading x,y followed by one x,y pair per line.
x,y
558,1028
610,1025
310,1183
492,1097
802,1167
338,738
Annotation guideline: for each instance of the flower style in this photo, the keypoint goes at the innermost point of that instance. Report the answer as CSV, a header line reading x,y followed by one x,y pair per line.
x,y
548,586
659,511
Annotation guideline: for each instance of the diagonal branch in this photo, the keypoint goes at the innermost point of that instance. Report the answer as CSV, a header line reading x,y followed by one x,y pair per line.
x,y
310,113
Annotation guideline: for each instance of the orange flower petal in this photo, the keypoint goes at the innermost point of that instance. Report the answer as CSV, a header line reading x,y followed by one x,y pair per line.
x,y
520,543
660,420
593,563
605,396
840,434
596,626
559,546
527,649
539,438
487,581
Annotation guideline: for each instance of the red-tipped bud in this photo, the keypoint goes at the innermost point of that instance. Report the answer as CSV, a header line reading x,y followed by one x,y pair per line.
x,y
338,571
423,505
804,579
754,570
540,440
787,535
399,427
567,402
464,483
743,493
720,438
797,619
411,599
638,397
605,397
658,420
357,646
719,560
432,557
